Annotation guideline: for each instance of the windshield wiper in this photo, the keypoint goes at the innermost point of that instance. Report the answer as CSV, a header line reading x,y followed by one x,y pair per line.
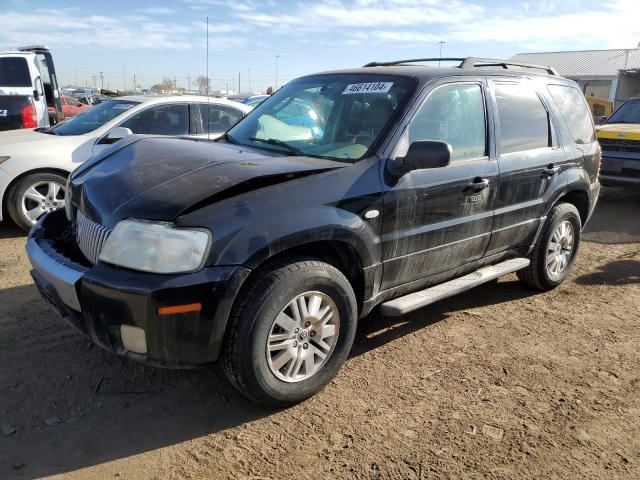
x,y
229,138
279,143
47,130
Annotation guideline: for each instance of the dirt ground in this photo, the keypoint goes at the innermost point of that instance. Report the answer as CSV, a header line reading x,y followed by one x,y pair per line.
x,y
500,382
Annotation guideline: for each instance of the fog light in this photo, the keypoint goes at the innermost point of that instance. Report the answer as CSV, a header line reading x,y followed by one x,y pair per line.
x,y
133,339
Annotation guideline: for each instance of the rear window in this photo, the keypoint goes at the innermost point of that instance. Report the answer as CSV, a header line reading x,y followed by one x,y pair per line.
x,y
524,122
574,110
14,72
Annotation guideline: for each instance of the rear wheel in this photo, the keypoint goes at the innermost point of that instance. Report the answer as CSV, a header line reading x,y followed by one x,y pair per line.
x,y
33,196
556,249
290,333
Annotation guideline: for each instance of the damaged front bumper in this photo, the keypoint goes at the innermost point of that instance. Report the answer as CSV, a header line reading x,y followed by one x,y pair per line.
x,y
103,301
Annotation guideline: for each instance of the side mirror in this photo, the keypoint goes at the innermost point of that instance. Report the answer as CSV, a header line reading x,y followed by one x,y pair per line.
x,y
601,119
427,154
116,134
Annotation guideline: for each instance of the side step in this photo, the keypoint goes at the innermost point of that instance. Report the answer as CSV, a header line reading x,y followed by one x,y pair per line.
x,y
413,301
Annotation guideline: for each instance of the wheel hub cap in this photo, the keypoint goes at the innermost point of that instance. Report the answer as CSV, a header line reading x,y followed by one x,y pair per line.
x,y
302,337
560,249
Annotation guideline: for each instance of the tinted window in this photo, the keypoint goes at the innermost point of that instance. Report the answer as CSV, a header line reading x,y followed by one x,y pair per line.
x,y
14,72
573,108
161,120
454,114
629,112
94,118
523,120
218,118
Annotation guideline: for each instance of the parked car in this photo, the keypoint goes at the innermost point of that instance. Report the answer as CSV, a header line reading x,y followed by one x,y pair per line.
x,y
71,106
34,164
265,247
619,138
28,73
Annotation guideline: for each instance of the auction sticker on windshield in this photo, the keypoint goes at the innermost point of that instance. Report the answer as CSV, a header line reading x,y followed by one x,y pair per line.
x,y
123,106
374,87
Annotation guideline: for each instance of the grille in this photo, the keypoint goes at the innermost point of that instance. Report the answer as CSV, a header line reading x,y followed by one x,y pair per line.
x,y
90,237
619,145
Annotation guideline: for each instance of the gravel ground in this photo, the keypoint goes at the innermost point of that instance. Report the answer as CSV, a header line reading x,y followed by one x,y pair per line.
x,y
500,382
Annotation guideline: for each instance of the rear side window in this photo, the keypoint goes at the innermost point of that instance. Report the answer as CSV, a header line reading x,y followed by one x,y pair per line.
x,y
161,120
523,120
218,118
14,72
573,108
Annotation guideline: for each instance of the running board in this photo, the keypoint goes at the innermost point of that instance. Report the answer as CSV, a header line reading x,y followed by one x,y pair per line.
x,y
413,301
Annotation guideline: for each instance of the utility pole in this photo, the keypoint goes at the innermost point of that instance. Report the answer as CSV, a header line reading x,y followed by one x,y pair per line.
x,y
277,57
189,82
135,88
95,85
238,82
124,78
101,80
441,44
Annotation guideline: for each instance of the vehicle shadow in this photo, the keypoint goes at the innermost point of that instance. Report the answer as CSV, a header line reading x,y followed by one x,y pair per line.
x,y
73,405
616,219
624,271
9,230
377,330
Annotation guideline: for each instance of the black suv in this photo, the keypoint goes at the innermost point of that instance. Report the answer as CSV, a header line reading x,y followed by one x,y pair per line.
x,y
392,185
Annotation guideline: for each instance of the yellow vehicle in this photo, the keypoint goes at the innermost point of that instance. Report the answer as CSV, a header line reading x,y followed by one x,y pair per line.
x,y
619,139
599,107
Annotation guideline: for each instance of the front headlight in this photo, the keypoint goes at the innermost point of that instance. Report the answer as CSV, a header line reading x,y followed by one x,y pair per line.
x,y
156,247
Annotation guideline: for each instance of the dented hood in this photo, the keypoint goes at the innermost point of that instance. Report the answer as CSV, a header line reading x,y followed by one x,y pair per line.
x,y
160,178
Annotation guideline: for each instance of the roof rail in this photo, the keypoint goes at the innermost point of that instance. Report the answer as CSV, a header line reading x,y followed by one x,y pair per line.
x,y
471,62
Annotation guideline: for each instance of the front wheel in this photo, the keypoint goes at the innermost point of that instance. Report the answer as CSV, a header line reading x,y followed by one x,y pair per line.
x,y
290,333
33,196
555,250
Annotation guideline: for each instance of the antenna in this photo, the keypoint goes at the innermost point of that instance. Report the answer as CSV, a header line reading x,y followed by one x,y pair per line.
x,y
208,111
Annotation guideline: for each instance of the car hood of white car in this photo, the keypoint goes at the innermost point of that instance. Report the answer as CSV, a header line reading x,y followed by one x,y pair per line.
x,y
36,140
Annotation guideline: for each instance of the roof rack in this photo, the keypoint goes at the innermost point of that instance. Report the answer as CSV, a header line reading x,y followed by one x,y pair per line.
x,y
471,62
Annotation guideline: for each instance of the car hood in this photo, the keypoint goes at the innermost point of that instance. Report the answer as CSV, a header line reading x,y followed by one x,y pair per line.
x,y
33,138
619,131
161,178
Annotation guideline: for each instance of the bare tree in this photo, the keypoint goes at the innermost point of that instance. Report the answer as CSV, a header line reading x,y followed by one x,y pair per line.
x,y
203,84
165,86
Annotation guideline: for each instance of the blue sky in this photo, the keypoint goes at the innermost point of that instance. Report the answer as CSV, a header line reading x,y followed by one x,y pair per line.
x,y
154,39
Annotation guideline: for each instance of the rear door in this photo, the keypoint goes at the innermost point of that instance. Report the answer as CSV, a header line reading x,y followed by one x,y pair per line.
x,y
438,219
531,161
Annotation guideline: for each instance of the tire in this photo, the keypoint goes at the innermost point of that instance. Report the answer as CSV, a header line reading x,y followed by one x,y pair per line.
x,y
542,274
33,196
255,370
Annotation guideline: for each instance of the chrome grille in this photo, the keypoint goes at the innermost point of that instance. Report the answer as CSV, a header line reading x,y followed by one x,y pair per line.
x,y
90,237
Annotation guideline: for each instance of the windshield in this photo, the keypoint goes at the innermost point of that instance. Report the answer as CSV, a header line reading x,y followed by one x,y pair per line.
x,y
335,116
629,112
94,118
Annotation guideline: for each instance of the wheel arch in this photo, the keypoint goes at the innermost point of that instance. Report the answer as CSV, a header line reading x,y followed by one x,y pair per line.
x,y
579,199
4,196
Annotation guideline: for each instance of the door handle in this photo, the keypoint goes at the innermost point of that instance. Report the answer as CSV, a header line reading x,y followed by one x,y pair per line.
x,y
477,185
550,171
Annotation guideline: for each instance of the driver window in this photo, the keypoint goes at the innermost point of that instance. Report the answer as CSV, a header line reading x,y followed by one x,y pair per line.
x,y
454,114
161,120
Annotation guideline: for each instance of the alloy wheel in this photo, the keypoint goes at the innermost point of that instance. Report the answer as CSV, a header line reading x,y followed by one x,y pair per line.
x,y
560,248
302,337
40,198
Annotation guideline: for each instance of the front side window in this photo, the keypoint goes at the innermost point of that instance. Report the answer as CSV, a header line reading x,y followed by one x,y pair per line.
x,y
454,114
14,72
92,119
218,118
160,120
523,119
573,108
629,112
334,116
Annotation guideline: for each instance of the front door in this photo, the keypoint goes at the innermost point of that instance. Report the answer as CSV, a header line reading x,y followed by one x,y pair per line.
x,y
438,219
